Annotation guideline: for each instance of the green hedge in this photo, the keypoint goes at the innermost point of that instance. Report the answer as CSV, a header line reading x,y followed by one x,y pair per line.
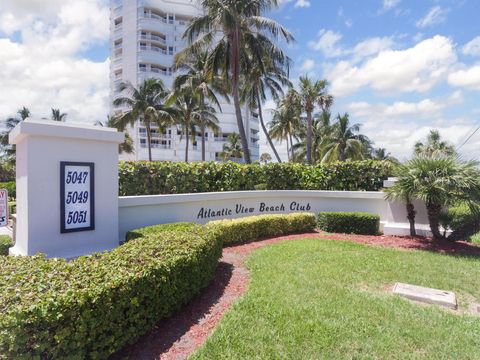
x,y
94,305
462,221
349,222
151,178
255,227
5,243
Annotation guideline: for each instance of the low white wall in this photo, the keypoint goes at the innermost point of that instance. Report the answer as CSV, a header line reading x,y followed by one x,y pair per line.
x,y
139,211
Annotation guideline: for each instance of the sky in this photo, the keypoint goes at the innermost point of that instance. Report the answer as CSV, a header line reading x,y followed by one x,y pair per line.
x,y
398,67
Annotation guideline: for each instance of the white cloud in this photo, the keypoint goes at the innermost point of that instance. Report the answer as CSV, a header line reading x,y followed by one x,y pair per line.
x,y
390,4
302,3
416,69
307,65
472,47
469,78
426,108
328,43
298,3
436,15
46,68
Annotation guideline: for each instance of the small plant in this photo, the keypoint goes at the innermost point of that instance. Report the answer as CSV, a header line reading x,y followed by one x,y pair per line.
x,y
349,222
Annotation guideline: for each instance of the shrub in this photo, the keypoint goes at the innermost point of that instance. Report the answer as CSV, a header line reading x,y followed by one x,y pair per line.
x,y
255,227
10,187
349,222
5,243
153,178
92,306
461,220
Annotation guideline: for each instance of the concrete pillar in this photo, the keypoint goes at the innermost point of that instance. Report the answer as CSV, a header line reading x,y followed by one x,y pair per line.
x,y
80,216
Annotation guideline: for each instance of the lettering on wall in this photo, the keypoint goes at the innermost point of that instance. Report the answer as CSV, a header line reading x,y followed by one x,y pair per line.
x,y
77,201
262,208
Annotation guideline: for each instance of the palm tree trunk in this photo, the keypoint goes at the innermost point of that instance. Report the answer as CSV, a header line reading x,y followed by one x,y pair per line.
x,y
433,211
202,129
187,137
149,140
264,128
309,137
235,48
291,147
411,217
288,151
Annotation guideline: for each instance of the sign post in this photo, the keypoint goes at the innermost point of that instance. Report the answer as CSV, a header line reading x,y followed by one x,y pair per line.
x,y
67,188
3,207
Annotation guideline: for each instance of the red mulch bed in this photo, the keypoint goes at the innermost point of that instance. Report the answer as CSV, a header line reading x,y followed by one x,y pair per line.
x,y
181,334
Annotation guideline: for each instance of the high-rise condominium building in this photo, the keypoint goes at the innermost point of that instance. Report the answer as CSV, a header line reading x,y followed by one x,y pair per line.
x,y
145,36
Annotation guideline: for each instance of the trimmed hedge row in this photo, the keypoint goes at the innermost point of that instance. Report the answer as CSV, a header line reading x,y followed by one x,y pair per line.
x,y
235,231
463,222
94,305
152,178
349,222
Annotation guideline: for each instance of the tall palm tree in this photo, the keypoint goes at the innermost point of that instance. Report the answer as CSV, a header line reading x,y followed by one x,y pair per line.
x,y
321,130
282,127
195,76
57,115
434,146
312,93
145,103
257,83
206,120
345,142
234,31
232,148
10,123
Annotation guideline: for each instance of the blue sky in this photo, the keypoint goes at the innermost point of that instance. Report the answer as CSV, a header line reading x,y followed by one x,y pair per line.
x,y
399,67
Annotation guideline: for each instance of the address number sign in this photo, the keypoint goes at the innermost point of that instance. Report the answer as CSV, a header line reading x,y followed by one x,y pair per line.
x,y
77,196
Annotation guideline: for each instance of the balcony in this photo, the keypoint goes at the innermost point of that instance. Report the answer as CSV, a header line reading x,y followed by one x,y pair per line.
x,y
153,38
155,56
156,146
147,23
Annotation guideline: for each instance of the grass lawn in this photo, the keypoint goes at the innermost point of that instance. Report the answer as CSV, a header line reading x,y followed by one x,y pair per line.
x,y
312,299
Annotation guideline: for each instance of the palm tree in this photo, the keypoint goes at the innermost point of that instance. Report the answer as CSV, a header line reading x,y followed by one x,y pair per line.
x,y
207,120
127,146
321,130
234,32
282,127
232,149
439,181
310,94
206,85
345,142
404,190
57,115
10,123
434,146
265,158
254,91
145,103
382,154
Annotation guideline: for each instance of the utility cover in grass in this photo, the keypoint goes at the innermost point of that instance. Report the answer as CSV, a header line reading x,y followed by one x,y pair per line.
x,y
426,295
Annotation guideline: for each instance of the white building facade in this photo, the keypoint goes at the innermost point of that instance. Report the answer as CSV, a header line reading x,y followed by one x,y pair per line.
x,y
145,36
